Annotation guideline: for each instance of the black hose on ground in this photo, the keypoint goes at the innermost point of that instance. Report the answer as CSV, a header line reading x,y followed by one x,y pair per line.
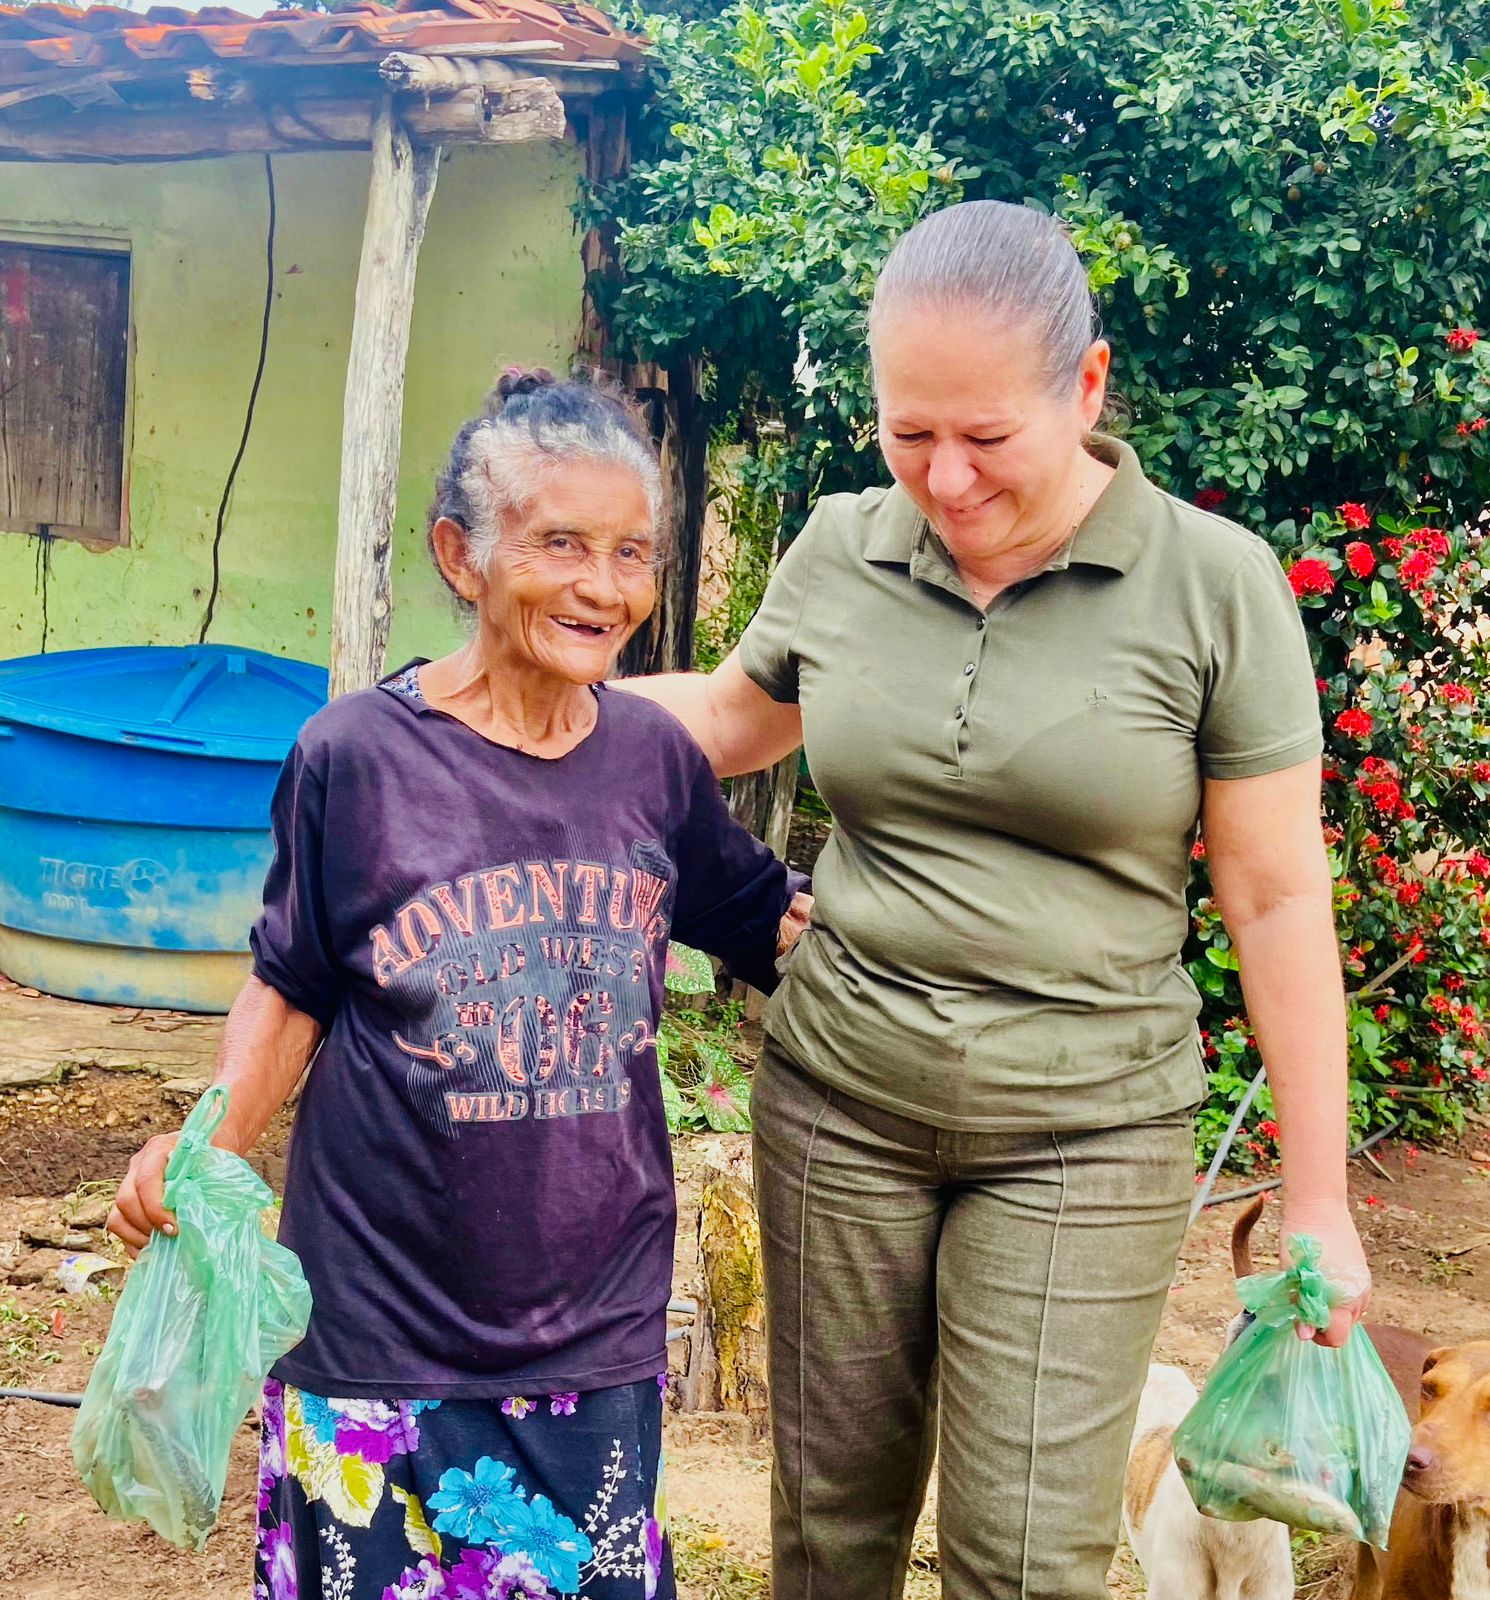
x,y
44,1396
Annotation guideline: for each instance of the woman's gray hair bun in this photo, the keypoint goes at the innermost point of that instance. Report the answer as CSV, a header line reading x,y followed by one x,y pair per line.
x,y
1013,263
532,423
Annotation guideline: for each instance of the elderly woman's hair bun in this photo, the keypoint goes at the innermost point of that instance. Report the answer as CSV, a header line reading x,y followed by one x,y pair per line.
x,y
533,422
518,381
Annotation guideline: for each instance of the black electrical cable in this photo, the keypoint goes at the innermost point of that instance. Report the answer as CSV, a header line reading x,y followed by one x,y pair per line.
x,y
253,398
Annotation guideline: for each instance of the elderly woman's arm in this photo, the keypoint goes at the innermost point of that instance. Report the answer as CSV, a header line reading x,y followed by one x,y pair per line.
x,y
735,899
1266,854
738,725
266,1047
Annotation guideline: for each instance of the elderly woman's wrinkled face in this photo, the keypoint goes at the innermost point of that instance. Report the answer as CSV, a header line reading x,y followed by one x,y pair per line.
x,y
970,428
573,575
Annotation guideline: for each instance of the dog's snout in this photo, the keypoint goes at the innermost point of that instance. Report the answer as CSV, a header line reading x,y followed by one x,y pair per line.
x,y
1420,1459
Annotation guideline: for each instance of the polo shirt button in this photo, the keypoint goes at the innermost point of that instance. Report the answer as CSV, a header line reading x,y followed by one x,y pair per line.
x,y
968,670
961,712
982,623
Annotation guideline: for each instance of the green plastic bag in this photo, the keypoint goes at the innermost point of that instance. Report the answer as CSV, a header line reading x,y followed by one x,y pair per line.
x,y
1286,1428
202,1317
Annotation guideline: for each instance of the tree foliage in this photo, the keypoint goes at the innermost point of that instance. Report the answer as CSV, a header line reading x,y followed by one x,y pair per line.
x,y
1284,208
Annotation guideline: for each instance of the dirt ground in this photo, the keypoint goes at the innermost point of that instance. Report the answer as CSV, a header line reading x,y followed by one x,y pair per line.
x,y
82,1087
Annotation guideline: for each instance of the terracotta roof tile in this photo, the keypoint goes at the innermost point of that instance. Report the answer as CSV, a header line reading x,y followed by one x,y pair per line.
x,y
40,39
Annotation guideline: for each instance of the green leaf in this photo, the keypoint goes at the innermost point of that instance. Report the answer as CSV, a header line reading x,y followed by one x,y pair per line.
x,y
1368,1034
688,971
722,1092
674,1106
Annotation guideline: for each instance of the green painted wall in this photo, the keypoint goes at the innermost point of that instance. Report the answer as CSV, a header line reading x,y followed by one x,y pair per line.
x,y
499,281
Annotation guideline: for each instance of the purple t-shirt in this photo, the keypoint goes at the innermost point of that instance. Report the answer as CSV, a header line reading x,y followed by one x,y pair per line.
x,y
480,1180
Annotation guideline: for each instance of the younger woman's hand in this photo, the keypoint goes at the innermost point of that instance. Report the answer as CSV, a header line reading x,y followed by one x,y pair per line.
x,y
1342,1261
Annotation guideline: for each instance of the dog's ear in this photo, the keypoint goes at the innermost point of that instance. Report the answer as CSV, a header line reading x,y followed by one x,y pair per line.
x,y
1433,1357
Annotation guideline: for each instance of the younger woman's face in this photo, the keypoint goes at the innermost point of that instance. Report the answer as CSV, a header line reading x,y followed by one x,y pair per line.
x,y
970,426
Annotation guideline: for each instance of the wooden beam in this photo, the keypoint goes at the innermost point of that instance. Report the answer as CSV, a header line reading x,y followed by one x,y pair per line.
x,y
65,85
398,197
420,74
523,112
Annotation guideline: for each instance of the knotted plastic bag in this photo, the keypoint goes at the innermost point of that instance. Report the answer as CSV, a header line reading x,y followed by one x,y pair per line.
x,y
1286,1428
203,1315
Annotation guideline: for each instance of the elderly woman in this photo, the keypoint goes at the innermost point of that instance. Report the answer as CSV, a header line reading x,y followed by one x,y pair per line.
x,y
478,865
1023,675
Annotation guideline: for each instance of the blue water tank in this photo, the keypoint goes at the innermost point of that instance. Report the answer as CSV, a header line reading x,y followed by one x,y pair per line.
x,y
134,816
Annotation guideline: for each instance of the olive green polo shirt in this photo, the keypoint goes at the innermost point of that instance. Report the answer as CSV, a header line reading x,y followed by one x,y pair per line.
x,y
1001,902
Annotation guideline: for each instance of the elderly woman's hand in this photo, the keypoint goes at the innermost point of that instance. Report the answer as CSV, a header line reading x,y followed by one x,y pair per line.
x,y
1342,1260
139,1206
794,923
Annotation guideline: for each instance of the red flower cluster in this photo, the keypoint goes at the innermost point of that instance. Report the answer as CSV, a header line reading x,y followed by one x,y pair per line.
x,y
1440,1003
1393,548
1354,724
1268,1128
1480,771
1433,540
1409,894
1355,515
1379,786
1464,429
1462,339
1360,558
1479,865
1310,577
1416,569
1455,694
1209,499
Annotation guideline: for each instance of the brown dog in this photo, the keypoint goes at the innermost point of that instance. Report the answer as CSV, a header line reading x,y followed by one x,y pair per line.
x,y
1440,1540
1439,1548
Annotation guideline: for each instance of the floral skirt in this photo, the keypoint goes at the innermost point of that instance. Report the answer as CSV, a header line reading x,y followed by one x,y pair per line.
x,y
525,1498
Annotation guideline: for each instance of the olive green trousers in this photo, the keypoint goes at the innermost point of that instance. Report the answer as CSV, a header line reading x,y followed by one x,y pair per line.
x,y
991,1298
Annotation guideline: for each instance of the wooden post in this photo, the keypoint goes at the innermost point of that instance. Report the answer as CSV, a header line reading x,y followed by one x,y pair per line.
x,y
680,421
398,197
727,1348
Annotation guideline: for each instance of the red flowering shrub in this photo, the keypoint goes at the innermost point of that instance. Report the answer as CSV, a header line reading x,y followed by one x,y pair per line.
x,y
1210,499
1310,576
1461,339
1355,516
1360,558
1403,673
